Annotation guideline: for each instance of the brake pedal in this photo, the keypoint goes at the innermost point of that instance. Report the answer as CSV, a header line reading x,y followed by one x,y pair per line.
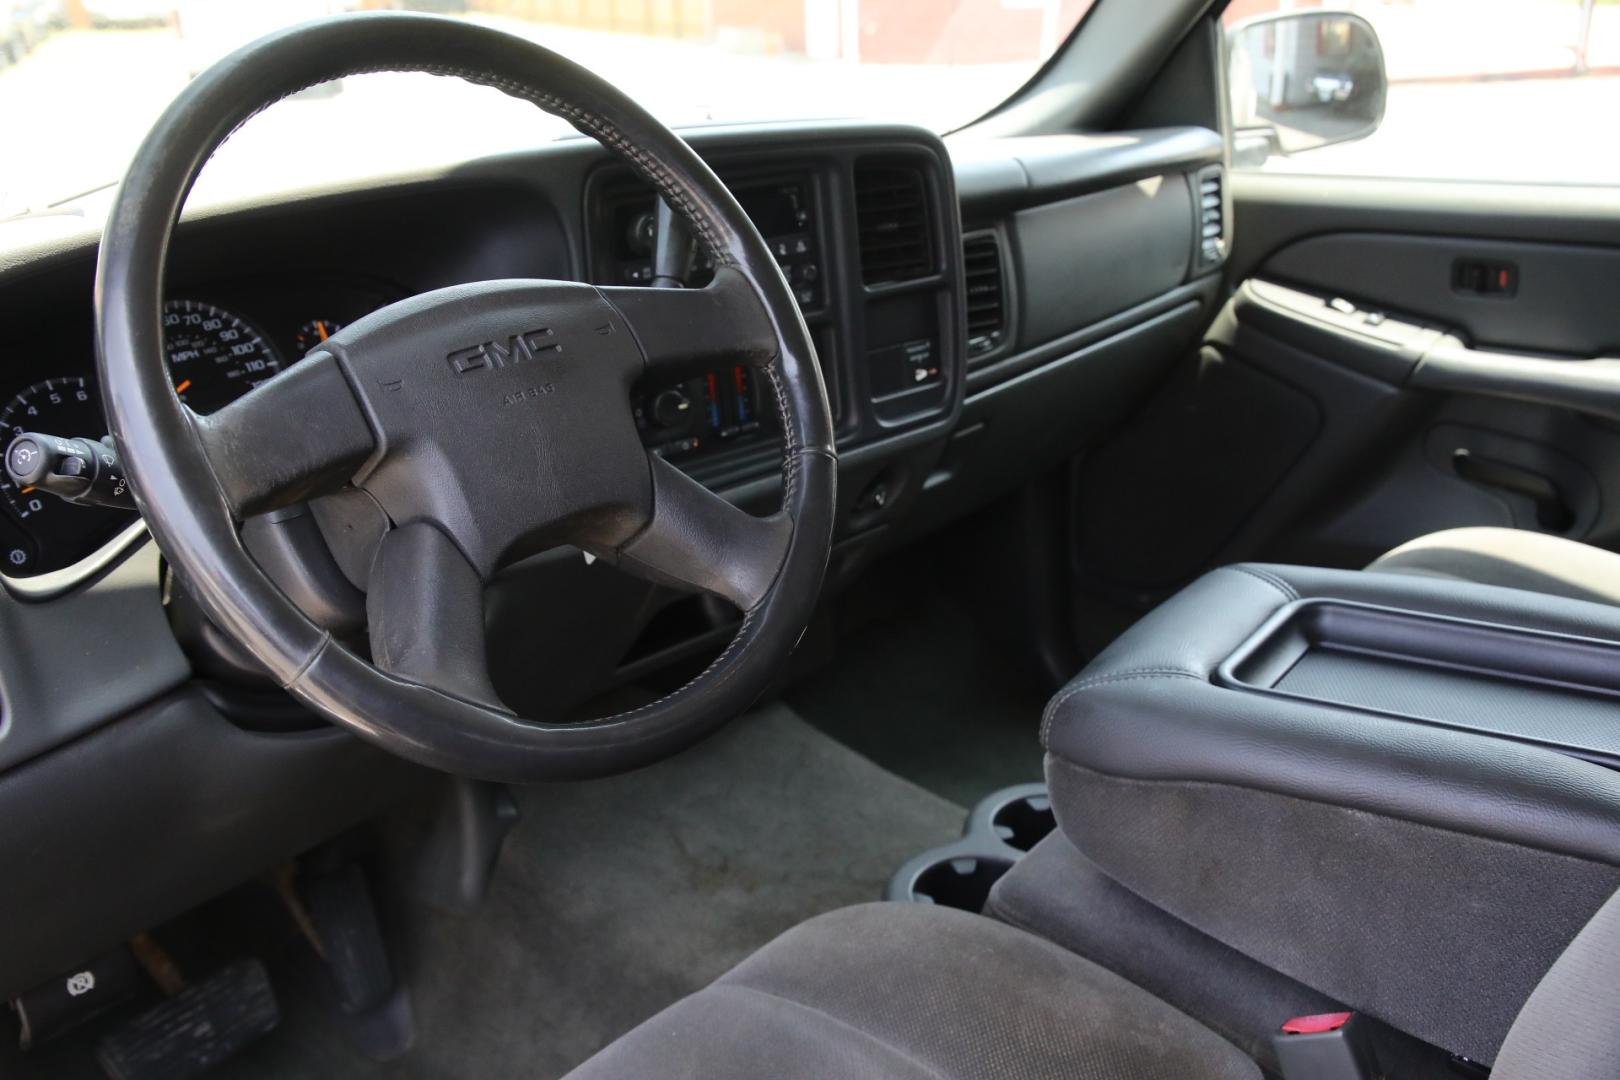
x,y
374,1005
195,1030
349,938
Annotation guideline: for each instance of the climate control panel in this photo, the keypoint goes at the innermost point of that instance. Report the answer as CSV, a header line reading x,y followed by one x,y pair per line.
x,y
718,408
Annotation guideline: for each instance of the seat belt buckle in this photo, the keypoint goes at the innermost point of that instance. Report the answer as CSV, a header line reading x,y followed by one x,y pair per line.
x,y
1326,1046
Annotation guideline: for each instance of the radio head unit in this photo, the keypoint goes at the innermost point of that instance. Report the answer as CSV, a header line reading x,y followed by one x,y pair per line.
x,y
783,210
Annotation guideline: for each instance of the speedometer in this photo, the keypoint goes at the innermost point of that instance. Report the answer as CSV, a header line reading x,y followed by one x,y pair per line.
x,y
214,356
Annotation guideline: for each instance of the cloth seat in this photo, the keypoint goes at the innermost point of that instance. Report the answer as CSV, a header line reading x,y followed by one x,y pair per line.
x,y
916,992
1514,558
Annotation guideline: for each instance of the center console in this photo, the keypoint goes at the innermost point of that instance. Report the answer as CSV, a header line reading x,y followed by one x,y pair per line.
x,y
1558,690
724,407
866,234
1402,793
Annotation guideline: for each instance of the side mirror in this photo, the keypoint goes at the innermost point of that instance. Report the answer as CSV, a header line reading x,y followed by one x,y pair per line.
x,y
1302,80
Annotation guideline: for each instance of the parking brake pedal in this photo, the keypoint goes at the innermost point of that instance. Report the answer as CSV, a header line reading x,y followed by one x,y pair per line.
x,y
74,998
195,1030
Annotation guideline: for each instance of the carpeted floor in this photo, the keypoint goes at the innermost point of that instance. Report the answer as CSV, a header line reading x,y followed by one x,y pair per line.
x,y
614,898
923,692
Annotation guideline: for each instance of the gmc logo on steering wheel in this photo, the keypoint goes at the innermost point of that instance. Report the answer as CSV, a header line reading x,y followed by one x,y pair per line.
x,y
517,349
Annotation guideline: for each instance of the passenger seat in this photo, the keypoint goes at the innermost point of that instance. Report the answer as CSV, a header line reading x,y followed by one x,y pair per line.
x,y
1515,558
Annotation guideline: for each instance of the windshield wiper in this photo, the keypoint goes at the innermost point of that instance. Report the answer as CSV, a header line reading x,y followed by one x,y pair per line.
x,y
62,207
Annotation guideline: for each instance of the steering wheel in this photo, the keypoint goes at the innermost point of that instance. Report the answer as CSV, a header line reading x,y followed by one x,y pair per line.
x,y
487,421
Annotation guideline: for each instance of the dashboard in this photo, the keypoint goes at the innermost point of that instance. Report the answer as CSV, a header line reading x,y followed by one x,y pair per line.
x,y
982,313
881,303
862,224
919,301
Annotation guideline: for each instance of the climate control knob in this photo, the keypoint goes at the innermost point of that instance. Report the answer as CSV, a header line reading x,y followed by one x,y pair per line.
x,y
671,408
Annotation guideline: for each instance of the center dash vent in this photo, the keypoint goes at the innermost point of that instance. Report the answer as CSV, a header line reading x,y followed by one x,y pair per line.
x,y
986,295
1211,216
891,207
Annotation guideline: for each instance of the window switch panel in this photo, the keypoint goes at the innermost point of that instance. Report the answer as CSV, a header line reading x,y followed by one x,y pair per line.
x,y
1485,277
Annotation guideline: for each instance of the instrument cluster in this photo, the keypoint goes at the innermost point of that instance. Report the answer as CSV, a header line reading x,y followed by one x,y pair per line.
x,y
219,343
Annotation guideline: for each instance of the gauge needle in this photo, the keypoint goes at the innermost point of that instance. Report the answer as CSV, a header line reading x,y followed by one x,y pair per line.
x,y
26,490
183,387
320,328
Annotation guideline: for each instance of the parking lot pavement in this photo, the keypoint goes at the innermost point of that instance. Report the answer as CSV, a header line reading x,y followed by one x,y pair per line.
x,y
1557,130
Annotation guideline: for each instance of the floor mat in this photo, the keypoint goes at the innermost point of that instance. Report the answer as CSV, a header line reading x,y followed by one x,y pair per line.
x,y
615,897
924,693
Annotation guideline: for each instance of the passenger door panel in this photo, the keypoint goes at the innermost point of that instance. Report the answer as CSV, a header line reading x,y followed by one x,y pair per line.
x,y
1560,298
1355,392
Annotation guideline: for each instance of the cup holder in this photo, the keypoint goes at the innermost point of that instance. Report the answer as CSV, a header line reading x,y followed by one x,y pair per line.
x,y
1023,822
997,833
962,882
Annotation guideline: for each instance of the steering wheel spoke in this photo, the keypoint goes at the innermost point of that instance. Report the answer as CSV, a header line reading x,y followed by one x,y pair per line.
x,y
425,607
696,539
298,435
685,332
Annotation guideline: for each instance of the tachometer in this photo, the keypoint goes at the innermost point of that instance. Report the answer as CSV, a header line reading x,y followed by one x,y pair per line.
x,y
214,356
55,533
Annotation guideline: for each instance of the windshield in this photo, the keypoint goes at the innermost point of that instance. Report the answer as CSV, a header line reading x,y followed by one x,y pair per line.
x,y
82,80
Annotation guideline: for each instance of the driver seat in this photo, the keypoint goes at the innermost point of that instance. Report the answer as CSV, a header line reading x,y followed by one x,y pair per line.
x,y
915,992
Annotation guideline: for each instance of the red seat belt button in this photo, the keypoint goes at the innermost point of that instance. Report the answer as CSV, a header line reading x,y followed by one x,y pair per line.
x,y
1326,1046
1315,1025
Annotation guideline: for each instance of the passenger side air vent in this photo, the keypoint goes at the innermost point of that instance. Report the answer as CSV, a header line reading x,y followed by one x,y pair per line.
x,y
986,295
1211,216
891,208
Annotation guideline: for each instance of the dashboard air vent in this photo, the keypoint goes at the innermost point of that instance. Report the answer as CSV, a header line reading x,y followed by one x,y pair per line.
x,y
891,207
1211,216
986,295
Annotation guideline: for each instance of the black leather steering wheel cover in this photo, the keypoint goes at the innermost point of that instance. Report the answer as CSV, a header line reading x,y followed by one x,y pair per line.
x,y
173,480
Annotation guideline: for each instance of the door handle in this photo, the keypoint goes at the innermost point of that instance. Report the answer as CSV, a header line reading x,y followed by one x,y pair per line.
x,y
1552,509
1588,386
